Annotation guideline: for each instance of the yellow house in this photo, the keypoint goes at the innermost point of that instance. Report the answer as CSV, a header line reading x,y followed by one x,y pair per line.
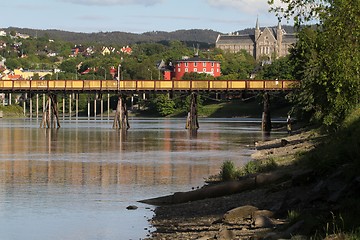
x,y
28,74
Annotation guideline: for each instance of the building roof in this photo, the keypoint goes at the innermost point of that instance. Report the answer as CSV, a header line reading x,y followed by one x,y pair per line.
x,y
289,38
196,59
234,39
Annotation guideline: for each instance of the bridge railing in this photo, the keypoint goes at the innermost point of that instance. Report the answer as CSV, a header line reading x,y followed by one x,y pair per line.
x,y
145,85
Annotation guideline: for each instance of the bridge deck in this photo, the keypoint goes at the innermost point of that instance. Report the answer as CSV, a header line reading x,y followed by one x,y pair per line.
x,y
143,85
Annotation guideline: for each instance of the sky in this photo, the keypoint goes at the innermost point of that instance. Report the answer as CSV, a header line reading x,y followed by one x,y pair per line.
x,y
136,16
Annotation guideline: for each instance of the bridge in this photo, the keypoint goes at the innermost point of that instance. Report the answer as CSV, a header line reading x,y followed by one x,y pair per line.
x,y
114,86
71,87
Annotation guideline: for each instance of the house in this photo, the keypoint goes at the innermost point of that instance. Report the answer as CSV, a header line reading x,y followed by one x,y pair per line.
x,y
197,65
107,50
2,44
268,43
12,77
28,74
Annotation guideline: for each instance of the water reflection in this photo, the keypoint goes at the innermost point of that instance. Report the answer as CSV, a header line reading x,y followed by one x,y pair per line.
x,y
86,168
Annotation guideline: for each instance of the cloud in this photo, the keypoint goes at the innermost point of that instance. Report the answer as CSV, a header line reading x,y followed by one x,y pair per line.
x,y
249,6
114,2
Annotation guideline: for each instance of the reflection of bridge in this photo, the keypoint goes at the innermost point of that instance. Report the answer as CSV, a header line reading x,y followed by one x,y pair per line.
x,y
142,85
99,87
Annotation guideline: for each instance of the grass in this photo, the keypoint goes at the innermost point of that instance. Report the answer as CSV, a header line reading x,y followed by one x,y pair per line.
x,y
230,172
12,111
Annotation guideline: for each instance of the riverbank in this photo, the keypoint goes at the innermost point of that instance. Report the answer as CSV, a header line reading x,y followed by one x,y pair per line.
x,y
293,200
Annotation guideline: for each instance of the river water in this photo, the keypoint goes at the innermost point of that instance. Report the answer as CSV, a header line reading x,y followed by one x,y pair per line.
x,y
76,182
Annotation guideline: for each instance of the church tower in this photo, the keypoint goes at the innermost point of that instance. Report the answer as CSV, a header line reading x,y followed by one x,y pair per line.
x,y
256,53
257,29
279,38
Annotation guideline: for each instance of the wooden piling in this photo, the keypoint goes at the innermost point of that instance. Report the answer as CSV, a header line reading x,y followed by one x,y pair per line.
x,y
266,117
192,117
121,120
50,114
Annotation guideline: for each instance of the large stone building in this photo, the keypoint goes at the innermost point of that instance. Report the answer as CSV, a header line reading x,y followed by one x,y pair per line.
x,y
268,43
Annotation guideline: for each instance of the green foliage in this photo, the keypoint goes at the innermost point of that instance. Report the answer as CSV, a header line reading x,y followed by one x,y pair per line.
x,y
327,60
228,171
162,104
258,166
12,110
280,68
237,65
197,76
342,148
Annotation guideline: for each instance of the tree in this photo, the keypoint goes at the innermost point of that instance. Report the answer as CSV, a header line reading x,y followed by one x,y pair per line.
x,y
162,104
330,84
279,69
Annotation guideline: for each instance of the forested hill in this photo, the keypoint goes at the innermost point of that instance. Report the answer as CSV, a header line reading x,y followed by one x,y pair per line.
x,y
106,38
194,35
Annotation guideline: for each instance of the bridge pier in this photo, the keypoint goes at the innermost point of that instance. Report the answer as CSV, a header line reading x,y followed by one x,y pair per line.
x,y
121,120
70,107
192,117
50,115
266,117
30,106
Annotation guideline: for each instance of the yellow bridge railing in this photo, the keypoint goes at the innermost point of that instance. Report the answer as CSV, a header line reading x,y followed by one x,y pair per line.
x,y
144,85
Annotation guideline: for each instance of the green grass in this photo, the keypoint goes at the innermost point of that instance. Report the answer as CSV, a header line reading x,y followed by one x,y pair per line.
x,y
12,111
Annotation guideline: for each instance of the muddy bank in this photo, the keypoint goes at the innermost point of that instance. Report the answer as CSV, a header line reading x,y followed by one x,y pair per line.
x,y
256,211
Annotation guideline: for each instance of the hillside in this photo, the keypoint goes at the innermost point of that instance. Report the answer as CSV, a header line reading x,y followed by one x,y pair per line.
x,y
193,35
206,36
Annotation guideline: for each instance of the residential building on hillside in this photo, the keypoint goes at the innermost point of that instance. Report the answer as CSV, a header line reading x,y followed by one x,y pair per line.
x,y
268,43
176,70
196,64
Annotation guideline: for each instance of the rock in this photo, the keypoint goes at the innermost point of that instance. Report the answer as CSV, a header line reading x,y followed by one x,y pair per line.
x,y
203,238
225,234
239,215
131,207
265,213
284,142
262,222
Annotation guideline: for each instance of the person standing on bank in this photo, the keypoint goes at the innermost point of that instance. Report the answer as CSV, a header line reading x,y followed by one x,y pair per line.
x,y
288,124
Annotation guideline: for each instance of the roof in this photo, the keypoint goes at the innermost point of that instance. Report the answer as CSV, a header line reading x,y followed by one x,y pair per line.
x,y
234,39
289,38
196,59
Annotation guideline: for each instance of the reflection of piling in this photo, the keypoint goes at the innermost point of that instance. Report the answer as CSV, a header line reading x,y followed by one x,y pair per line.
x,y
121,120
50,117
266,117
192,117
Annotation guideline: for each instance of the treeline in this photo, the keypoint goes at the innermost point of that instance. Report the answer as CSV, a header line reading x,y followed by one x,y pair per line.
x,y
122,38
202,36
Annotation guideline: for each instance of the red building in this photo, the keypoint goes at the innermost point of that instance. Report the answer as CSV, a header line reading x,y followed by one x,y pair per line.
x,y
196,64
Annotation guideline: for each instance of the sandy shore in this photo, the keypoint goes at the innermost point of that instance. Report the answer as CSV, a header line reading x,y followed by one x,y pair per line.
x,y
256,213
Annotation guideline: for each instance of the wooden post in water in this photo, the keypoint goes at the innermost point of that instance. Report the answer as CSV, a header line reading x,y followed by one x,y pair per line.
x,y
121,120
266,117
51,114
192,117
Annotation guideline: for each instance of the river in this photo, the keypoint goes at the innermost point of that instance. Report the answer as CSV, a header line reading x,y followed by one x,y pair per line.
x,y
76,182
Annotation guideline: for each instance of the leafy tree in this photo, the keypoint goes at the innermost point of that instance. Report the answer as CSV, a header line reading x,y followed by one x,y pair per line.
x,y
330,84
162,104
197,76
239,65
280,68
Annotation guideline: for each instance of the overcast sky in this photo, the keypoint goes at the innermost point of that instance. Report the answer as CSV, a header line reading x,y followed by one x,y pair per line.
x,y
136,16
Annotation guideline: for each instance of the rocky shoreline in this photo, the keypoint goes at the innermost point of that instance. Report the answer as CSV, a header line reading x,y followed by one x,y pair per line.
x,y
264,211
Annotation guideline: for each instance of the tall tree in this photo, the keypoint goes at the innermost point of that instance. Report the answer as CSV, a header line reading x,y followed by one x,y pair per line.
x,y
330,84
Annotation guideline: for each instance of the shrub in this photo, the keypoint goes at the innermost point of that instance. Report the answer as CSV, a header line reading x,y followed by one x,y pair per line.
x,y
228,171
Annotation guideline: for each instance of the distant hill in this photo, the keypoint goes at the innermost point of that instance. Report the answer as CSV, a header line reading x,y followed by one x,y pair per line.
x,y
194,35
206,37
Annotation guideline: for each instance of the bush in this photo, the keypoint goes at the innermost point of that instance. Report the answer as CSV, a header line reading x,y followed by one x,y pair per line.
x,y
228,171
257,166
